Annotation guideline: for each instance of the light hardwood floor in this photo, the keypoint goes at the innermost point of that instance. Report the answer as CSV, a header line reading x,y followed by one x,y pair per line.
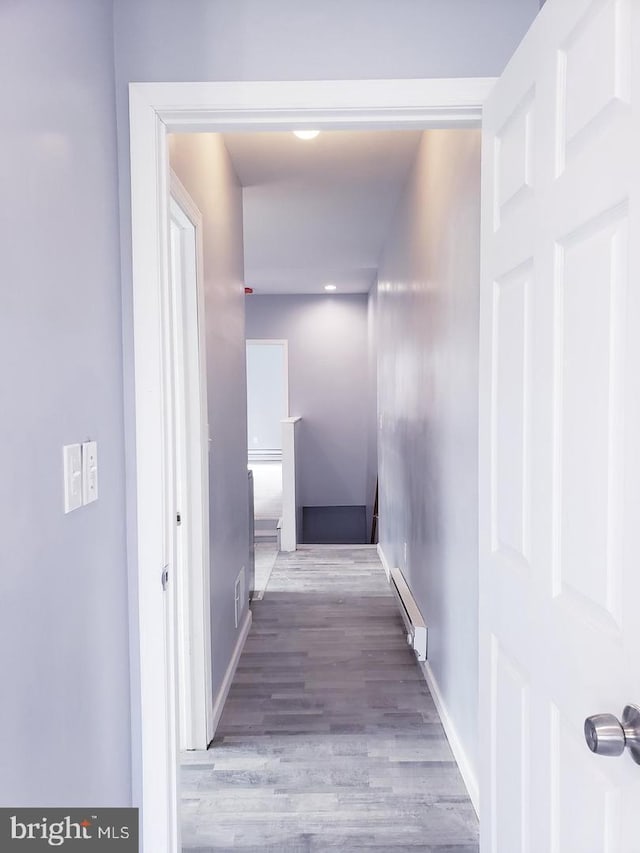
x,y
329,739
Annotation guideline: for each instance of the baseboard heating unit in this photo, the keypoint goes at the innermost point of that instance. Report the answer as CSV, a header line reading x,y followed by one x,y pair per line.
x,y
411,616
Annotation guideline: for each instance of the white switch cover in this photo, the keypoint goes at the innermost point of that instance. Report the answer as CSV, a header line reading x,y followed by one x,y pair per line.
x,y
89,472
72,456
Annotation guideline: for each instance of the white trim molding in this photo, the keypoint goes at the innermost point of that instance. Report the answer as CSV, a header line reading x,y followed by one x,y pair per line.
x,y
291,521
467,772
155,109
321,104
384,561
223,692
193,604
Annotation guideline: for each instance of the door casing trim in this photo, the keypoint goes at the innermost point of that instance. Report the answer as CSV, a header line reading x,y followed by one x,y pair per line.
x,y
156,109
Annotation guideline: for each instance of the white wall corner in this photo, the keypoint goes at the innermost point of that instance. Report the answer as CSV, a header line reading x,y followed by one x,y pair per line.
x,y
467,771
223,692
383,560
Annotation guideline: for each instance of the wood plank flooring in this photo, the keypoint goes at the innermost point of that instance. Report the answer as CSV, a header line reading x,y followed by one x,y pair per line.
x,y
329,739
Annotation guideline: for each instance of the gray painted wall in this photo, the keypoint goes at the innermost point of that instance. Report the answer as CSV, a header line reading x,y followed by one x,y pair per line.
x,y
427,318
202,163
64,644
332,39
328,388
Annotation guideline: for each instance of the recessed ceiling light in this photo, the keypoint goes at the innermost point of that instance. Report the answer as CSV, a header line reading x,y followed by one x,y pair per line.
x,y
306,134
330,287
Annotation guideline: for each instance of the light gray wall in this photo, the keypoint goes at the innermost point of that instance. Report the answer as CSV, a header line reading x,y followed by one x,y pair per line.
x,y
328,388
202,163
427,318
303,39
64,646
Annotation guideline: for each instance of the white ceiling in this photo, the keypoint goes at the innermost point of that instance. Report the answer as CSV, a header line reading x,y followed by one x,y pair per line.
x,y
318,211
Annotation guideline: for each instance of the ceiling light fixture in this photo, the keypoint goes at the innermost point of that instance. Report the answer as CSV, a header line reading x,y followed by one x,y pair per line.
x,y
330,287
306,134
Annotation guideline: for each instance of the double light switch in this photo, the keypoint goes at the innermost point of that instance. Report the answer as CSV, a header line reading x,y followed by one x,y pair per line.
x,y
80,474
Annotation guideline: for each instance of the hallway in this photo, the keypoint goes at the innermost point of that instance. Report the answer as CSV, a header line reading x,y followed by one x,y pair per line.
x,y
329,739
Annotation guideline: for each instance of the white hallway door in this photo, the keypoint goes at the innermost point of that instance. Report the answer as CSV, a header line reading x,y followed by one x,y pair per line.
x,y
560,432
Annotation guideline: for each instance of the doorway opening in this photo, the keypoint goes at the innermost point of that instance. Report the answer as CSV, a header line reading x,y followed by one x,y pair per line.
x,y
267,407
156,109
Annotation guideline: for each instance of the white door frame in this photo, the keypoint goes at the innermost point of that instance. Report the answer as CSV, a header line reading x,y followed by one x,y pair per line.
x,y
194,599
154,110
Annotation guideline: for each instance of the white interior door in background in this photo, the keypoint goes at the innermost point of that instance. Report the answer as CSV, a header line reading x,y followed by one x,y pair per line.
x,y
560,432
193,625
267,397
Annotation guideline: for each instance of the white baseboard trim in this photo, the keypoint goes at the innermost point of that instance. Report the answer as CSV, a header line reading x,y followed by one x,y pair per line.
x,y
468,775
223,692
257,456
383,560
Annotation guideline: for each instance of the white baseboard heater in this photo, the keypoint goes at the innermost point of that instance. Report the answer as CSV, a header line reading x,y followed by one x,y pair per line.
x,y
411,616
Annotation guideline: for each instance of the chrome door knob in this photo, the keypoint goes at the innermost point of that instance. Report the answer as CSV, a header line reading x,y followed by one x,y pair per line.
x,y
605,735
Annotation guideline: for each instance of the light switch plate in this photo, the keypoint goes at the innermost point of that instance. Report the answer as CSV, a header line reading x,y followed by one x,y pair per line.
x,y
89,472
72,458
